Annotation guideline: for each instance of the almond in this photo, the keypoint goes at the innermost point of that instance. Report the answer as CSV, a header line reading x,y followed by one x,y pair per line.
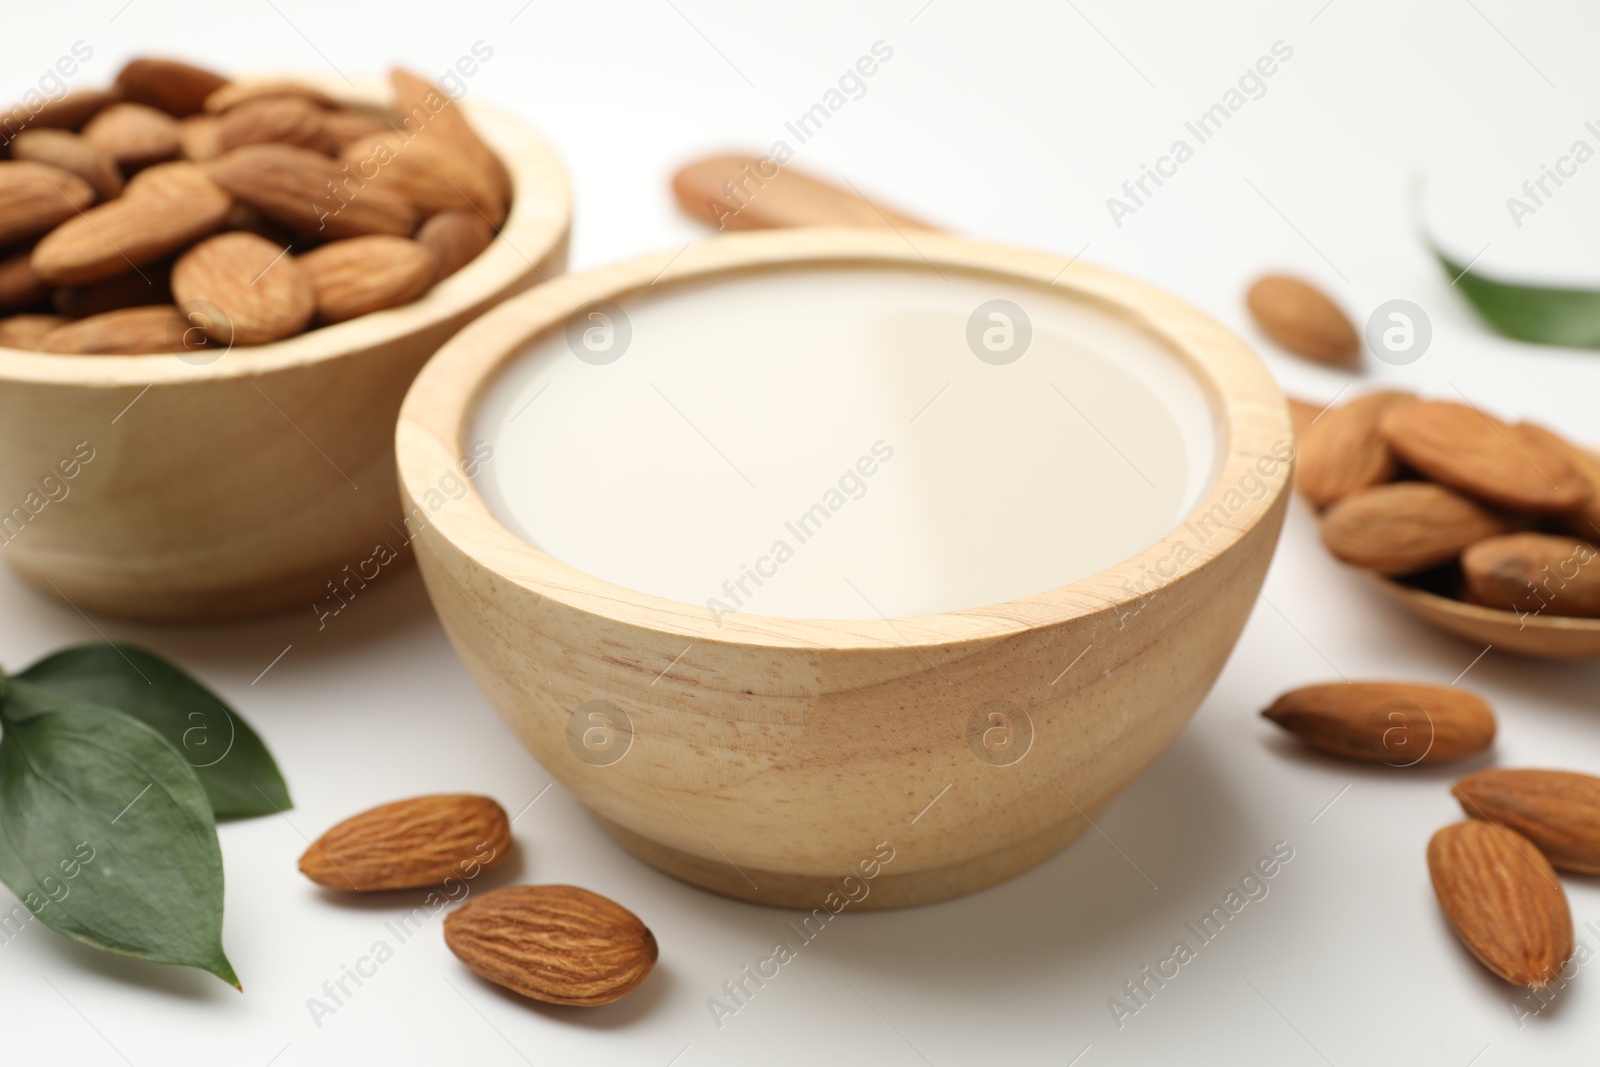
x,y
242,289
1398,723
26,331
1302,413
1302,319
239,92
344,128
282,119
421,105
70,152
1559,811
134,135
455,238
311,193
67,113
364,274
426,170
1546,574
34,197
1585,520
197,138
151,285
1501,896
410,844
160,213
177,88
129,332
1343,452
554,943
19,286
1406,527
1467,449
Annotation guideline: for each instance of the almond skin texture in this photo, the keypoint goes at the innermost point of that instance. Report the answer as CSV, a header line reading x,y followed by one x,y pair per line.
x,y
1585,521
1545,574
197,138
70,152
1559,811
555,943
238,92
162,211
134,135
1343,452
35,197
343,128
242,289
27,331
365,274
1303,320
1406,527
129,332
1501,896
68,113
1397,723
426,170
177,88
284,119
455,238
311,193
1464,448
420,105
410,844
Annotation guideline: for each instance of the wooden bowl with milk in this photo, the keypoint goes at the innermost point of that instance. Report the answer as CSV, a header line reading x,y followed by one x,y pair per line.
x,y
798,553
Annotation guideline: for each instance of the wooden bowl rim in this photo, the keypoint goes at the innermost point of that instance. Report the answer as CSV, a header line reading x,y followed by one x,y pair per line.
x,y
1250,416
539,219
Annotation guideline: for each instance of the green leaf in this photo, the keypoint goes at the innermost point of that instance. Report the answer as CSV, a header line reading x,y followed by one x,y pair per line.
x,y
238,773
108,838
1541,314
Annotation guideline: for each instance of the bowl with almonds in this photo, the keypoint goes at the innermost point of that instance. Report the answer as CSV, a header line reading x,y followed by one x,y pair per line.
x,y
213,296
1488,530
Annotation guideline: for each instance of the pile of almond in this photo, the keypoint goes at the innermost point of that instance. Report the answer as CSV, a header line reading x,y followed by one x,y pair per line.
x,y
182,210
1444,494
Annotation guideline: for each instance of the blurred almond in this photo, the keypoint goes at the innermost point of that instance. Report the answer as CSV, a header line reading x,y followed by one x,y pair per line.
x,y
1503,900
130,332
1406,527
1342,452
1584,521
426,170
1467,449
133,135
141,288
284,120
455,238
197,138
242,289
343,128
27,331
1546,574
1559,811
34,197
19,286
554,943
311,193
67,113
175,87
245,90
421,105
70,152
1397,723
410,844
1302,319
365,274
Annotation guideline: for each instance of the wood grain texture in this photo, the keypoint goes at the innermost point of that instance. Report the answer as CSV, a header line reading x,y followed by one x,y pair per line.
x,y
245,484
778,754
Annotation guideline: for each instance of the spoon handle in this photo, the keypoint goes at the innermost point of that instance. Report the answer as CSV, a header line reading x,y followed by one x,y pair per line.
x,y
747,193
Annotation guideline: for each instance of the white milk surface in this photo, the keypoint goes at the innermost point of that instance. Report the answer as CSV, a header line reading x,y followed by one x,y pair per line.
x,y
826,442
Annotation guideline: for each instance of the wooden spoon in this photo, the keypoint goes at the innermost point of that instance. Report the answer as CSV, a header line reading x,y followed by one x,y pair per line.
x,y
746,193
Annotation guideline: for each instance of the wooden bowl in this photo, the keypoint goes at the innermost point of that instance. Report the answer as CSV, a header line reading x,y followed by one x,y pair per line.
x,y
779,755
1540,636
265,478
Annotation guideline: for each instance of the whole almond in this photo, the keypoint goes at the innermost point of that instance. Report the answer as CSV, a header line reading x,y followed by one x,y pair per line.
x,y
455,238
1342,452
177,88
34,197
283,119
26,331
554,943
242,289
1406,527
1546,574
1301,318
1467,449
1584,521
427,170
70,152
168,211
19,286
1557,810
134,135
1398,723
142,288
239,92
197,138
67,113
420,105
410,844
311,193
129,332
1502,898
364,274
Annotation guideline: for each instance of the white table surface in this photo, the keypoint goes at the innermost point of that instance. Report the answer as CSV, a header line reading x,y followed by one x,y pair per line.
x,y
1008,120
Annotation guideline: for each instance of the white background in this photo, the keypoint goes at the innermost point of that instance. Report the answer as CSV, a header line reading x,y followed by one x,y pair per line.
x,y
998,119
